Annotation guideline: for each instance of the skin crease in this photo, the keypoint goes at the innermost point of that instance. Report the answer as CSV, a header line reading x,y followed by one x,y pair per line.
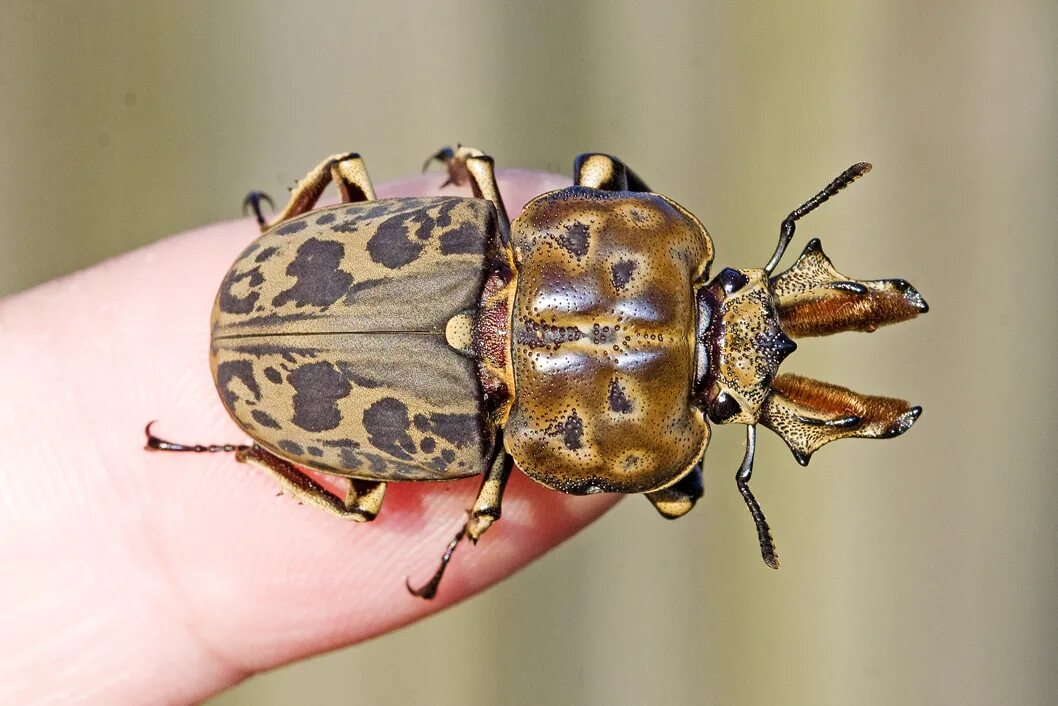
x,y
134,577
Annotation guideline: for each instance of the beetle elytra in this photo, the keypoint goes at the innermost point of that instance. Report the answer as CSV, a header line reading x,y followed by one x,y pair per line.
x,y
430,338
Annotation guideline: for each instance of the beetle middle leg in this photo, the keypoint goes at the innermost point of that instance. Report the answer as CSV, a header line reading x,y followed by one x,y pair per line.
x,y
605,172
679,498
485,512
471,164
745,472
347,170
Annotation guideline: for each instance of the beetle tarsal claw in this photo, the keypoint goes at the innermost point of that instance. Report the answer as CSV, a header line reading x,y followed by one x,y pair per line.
x,y
444,155
155,443
253,202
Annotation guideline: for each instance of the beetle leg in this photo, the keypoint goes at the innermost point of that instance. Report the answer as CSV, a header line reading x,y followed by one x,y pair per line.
x,y
346,170
487,505
602,171
678,499
486,510
362,502
471,164
365,497
745,471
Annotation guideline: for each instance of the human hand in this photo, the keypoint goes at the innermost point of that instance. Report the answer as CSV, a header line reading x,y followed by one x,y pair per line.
x,y
135,577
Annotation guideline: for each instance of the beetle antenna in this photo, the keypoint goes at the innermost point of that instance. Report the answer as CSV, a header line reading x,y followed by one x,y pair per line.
x,y
156,444
429,589
786,230
745,471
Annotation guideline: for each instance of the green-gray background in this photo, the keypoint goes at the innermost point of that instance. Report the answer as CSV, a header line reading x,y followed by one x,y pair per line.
x,y
917,571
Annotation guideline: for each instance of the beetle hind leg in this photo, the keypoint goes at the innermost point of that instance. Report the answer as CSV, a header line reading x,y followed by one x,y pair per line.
x,y
347,170
679,498
485,512
362,502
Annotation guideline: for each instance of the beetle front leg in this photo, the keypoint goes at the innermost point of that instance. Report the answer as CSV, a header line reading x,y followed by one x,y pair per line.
x,y
486,510
679,498
745,472
603,171
346,170
471,164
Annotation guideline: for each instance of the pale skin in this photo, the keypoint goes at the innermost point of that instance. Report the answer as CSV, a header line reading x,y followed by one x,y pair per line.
x,y
133,577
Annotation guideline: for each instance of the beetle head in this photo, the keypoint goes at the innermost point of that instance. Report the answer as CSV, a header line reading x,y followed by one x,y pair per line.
x,y
745,323
741,344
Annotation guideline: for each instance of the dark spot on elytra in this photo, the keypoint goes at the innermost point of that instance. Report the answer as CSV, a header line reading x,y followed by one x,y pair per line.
x,y
448,455
621,273
464,239
350,459
232,304
618,400
317,389
444,212
273,375
387,423
350,226
320,281
571,429
378,464
575,239
266,253
315,451
458,429
292,227
326,218
428,444
392,245
376,209
356,378
358,287
264,419
241,370
290,447
341,444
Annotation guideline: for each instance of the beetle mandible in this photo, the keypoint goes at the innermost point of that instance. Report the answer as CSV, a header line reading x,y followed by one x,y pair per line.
x,y
432,339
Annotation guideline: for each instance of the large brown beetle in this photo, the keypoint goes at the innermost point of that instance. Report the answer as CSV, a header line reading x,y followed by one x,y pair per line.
x,y
425,339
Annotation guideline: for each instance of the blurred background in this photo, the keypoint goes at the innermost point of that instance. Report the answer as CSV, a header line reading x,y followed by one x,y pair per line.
x,y
918,571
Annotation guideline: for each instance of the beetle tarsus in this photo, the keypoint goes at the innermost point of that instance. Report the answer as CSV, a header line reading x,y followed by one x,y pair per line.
x,y
429,589
253,201
157,444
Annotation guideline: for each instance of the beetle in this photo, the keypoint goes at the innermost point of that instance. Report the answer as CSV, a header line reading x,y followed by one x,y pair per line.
x,y
430,338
